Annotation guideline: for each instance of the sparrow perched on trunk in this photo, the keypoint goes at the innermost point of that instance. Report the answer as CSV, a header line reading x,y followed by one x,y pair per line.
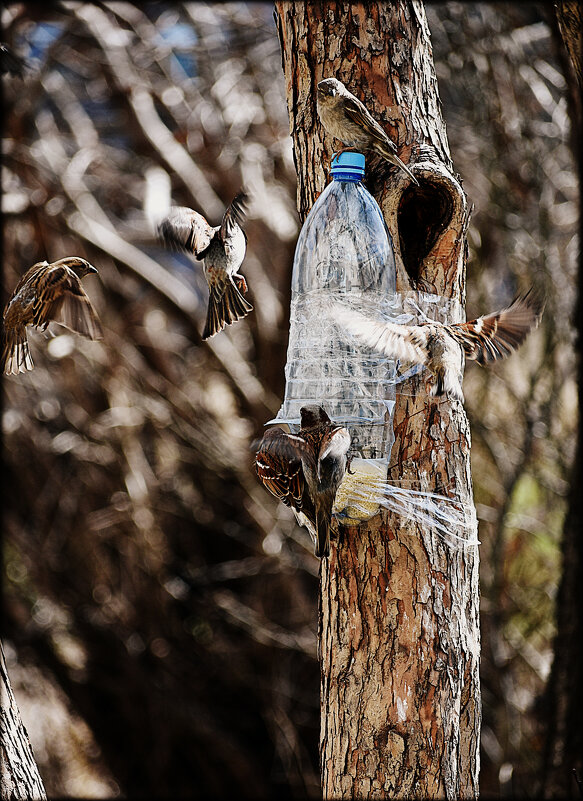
x,y
441,347
222,250
304,470
347,119
45,293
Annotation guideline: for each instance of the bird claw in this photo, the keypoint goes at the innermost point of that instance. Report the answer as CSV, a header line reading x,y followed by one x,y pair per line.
x,y
241,283
338,153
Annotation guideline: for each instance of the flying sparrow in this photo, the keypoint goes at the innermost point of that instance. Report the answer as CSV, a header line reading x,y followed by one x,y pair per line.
x,y
347,119
222,250
442,348
304,470
45,293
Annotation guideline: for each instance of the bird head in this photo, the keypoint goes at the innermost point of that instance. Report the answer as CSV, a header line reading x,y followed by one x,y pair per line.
x,y
330,87
313,415
79,266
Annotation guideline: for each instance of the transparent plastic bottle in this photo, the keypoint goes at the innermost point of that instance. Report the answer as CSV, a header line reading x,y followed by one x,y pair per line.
x,y
344,253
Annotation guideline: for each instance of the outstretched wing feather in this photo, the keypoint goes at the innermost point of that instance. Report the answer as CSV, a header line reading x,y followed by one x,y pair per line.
x,y
395,341
187,230
495,336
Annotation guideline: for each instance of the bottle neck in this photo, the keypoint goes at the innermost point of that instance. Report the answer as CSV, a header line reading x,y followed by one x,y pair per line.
x,y
348,175
348,166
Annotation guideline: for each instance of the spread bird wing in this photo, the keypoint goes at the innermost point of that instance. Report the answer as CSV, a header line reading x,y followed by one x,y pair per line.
x,y
497,335
278,464
76,313
360,115
61,298
406,342
30,276
234,214
187,230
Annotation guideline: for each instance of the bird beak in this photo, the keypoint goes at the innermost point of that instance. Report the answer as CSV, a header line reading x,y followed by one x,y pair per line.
x,y
89,268
79,262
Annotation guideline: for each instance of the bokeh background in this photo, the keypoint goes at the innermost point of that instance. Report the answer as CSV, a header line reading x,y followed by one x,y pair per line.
x,y
160,608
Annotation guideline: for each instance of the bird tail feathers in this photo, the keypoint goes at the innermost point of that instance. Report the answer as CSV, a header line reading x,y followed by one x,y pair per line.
x,y
226,304
447,383
16,356
322,545
394,159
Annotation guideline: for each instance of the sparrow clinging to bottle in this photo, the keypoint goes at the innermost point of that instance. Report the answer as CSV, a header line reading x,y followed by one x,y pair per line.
x,y
47,293
442,348
347,119
304,470
278,463
222,250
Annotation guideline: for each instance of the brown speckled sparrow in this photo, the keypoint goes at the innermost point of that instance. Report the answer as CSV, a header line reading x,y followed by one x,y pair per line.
x,y
222,250
347,119
47,293
442,348
304,470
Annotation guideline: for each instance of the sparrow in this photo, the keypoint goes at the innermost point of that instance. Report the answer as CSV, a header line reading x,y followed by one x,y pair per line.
x,y
442,348
222,250
46,293
304,470
347,119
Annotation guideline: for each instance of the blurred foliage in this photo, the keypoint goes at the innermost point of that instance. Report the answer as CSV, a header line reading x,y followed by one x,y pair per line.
x,y
157,600
505,100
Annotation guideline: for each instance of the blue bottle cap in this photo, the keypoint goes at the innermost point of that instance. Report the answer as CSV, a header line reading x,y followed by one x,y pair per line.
x,y
348,163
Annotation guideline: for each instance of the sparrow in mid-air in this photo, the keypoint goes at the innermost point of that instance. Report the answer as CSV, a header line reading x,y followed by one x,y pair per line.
x,y
222,250
442,348
47,293
304,470
347,119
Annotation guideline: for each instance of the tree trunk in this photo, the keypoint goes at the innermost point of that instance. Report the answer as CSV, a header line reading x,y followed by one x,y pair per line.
x,y
570,19
399,627
20,778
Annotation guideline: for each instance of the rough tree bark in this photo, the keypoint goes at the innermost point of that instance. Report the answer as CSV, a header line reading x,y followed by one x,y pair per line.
x,y
20,778
570,19
399,627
